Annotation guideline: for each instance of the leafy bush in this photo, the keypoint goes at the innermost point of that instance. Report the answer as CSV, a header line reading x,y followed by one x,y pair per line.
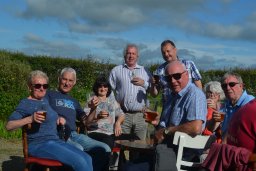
x,y
13,76
15,67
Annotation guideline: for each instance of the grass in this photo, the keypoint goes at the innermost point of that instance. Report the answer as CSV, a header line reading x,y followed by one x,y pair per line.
x,y
9,134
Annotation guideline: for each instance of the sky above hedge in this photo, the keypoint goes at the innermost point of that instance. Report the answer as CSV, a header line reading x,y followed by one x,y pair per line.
x,y
214,34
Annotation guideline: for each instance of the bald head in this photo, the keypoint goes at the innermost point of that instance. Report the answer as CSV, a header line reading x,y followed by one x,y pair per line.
x,y
177,76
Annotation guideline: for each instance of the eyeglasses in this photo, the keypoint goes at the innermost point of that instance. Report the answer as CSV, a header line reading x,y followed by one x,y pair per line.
x,y
176,76
38,86
230,84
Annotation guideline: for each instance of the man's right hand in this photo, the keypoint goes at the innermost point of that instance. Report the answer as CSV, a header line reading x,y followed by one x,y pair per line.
x,y
159,136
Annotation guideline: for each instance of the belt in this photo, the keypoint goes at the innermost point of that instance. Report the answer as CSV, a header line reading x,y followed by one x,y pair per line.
x,y
131,111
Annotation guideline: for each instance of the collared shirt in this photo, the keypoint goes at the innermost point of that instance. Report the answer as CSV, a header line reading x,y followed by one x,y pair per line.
x,y
193,72
188,105
230,110
130,96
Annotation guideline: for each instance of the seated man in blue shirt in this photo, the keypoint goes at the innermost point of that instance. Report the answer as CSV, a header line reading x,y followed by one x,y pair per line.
x,y
186,112
69,108
236,97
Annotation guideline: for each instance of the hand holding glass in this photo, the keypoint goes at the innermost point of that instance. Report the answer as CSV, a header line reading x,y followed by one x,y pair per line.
x,y
149,115
218,116
103,114
43,111
156,77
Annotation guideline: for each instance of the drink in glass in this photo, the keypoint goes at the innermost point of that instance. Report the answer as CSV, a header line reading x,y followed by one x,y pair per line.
x,y
43,113
150,115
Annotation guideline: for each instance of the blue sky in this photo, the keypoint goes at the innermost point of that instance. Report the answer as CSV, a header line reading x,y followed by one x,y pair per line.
x,y
215,34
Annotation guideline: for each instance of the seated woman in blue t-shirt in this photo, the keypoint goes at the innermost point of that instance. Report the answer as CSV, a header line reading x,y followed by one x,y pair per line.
x,y
43,140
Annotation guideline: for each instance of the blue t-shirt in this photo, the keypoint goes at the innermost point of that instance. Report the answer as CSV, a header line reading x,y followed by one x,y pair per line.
x,y
66,106
39,133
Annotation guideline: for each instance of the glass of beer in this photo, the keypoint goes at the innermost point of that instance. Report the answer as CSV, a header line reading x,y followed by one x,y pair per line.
x,y
222,116
156,77
43,110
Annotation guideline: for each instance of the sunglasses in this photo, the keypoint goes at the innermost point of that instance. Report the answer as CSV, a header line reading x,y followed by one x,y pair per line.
x,y
230,84
38,86
176,76
103,85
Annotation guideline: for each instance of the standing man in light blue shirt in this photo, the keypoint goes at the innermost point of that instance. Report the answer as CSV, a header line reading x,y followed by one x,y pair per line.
x,y
130,83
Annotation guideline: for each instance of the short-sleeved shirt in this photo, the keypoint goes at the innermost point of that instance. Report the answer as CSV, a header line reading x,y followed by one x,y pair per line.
x,y
194,75
187,105
66,106
106,125
40,132
230,110
130,96
242,127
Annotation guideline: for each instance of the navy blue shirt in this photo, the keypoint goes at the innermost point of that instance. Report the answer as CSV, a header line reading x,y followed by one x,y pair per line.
x,y
39,133
66,106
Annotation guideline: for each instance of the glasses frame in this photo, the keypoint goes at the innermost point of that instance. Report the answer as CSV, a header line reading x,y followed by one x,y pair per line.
x,y
224,86
38,86
176,76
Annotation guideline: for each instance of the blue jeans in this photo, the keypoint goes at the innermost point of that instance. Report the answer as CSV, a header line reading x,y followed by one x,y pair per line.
x,y
87,143
63,152
99,151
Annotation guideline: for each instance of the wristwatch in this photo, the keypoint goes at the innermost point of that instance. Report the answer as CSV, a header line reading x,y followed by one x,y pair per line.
x,y
166,132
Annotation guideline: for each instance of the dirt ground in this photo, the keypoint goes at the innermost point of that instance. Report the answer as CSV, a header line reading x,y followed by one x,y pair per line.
x,y
11,155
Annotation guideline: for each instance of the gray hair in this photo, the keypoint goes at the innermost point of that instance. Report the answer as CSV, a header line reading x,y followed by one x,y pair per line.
x,y
233,74
130,46
215,87
68,69
36,73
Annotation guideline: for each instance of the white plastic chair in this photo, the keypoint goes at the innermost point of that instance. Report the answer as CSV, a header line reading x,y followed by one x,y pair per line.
x,y
184,140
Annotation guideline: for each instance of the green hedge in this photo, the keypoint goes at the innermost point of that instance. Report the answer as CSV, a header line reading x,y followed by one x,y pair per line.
x,y
14,69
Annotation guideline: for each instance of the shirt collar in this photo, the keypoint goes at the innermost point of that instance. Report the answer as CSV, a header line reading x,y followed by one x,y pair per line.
x,y
184,90
136,66
240,100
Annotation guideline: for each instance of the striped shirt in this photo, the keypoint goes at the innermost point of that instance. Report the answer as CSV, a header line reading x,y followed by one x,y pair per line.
x,y
130,96
188,105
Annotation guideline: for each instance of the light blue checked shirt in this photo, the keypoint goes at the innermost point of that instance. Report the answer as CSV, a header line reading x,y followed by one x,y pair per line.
x,y
188,105
130,96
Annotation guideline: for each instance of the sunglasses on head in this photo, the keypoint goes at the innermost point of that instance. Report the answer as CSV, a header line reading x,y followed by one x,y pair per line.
x,y
230,84
176,76
38,86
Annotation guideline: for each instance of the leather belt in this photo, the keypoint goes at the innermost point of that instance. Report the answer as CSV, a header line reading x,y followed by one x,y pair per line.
x,y
130,111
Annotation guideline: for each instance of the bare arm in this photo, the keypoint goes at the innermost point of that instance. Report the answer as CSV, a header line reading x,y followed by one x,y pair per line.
x,y
198,83
154,88
92,105
118,129
192,128
15,124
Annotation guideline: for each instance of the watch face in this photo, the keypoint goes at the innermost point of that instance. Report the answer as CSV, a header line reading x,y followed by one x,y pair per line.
x,y
166,131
